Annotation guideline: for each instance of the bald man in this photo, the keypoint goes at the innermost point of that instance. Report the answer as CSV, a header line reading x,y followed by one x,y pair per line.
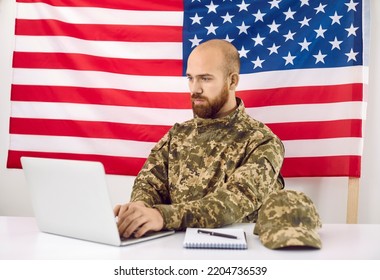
x,y
213,170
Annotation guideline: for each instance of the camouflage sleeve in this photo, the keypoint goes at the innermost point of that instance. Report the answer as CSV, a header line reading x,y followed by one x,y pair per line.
x,y
151,184
235,199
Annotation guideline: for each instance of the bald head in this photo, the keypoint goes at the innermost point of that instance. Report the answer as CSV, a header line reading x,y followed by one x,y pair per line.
x,y
224,52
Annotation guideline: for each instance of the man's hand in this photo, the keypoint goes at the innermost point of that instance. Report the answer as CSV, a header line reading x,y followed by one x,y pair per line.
x,y
134,218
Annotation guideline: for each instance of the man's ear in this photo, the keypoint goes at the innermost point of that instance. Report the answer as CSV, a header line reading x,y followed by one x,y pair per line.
x,y
234,80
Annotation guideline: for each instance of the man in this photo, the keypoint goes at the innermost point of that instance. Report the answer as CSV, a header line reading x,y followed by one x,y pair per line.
x,y
210,171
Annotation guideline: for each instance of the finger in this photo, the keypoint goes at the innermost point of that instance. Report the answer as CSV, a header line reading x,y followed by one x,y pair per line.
x,y
116,210
134,226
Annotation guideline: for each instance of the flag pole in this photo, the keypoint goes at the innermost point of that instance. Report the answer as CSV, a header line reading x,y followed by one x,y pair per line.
x,y
352,201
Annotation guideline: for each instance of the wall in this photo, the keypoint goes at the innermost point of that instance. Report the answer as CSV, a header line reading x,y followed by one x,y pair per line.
x,y
329,194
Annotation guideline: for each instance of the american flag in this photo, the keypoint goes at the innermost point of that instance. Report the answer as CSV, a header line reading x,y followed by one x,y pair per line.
x,y
104,80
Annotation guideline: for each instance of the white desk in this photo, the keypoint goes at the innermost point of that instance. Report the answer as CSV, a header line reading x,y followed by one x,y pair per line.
x,y
21,239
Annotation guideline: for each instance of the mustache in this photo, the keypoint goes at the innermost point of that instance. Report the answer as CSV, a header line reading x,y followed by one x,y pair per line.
x,y
198,96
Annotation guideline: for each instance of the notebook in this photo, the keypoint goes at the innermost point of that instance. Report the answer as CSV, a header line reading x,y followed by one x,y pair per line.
x,y
70,198
208,238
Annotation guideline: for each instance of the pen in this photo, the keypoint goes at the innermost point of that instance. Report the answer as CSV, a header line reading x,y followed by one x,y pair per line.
x,y
217,234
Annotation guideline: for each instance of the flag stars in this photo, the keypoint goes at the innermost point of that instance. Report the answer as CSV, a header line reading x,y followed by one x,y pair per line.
x,y
320,8
195,41
351,30
351,55
304,3
259,16
320,32
289,59
274,3
273,49
243,28
196,19
258,40
228,39
273,27
305,21
258,63
227,18
211,29
212,8
335,18
320,57
243,52
289,36
289,14
304,45
351,6
335,44
243,6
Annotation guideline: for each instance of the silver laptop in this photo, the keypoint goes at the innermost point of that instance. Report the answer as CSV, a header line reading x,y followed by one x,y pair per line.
x,y
70,198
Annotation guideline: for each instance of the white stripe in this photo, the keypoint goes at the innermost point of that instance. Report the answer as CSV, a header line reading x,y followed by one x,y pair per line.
x,y
100,113
157,116
78,145
132,50
323,147
87,15
96,79
309,112
304,77
114,147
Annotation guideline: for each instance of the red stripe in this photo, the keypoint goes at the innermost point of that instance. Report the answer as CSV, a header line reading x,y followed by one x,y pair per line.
x,y
100,96
152,5
328,166
178,100
153,133
301,95
99,32
112,165
148,67
318,130
88,129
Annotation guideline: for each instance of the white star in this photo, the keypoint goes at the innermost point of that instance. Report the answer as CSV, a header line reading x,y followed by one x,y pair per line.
x,y
351,55
196,19
305,21
273,27
243,6
227,17
320,8
335,18
273,49
320,57
351,5
259,16
289,59
274,3
335,44
258,63
304,2
243,28
289,14
243,52
289,36
305,45
351,30
228,39
320,32
195,41
211,29
212,8
258,40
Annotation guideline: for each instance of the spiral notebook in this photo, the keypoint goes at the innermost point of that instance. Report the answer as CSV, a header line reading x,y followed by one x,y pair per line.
x,y
197,238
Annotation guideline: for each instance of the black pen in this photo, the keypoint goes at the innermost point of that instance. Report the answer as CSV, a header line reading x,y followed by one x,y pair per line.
x,y
217,234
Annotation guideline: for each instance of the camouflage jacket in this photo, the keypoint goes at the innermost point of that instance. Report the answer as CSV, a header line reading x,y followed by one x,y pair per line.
x,y
211,172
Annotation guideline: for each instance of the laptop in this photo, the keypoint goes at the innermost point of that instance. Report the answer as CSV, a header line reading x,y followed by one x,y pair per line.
x,y
70,198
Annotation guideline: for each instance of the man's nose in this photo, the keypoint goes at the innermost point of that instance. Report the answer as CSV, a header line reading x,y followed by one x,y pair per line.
x,y
195,87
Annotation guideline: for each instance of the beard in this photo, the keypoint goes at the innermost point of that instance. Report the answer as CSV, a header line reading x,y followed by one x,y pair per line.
x,y
211,108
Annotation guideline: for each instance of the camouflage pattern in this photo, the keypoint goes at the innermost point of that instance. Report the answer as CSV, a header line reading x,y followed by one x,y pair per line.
x,y
211,172
288,218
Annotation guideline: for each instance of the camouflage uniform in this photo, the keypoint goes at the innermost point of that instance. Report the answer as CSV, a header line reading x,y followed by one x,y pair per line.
x,y
211,172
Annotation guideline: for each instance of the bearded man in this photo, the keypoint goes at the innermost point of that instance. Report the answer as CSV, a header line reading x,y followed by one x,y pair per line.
x,y
213,170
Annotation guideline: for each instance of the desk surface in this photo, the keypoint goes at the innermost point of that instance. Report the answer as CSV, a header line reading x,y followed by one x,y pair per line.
x,y
21,239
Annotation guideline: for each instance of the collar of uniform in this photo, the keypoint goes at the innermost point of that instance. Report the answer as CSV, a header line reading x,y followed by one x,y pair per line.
x,y
224,120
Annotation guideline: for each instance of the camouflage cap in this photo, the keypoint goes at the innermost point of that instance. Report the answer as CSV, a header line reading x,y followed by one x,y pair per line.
x,y
288,218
